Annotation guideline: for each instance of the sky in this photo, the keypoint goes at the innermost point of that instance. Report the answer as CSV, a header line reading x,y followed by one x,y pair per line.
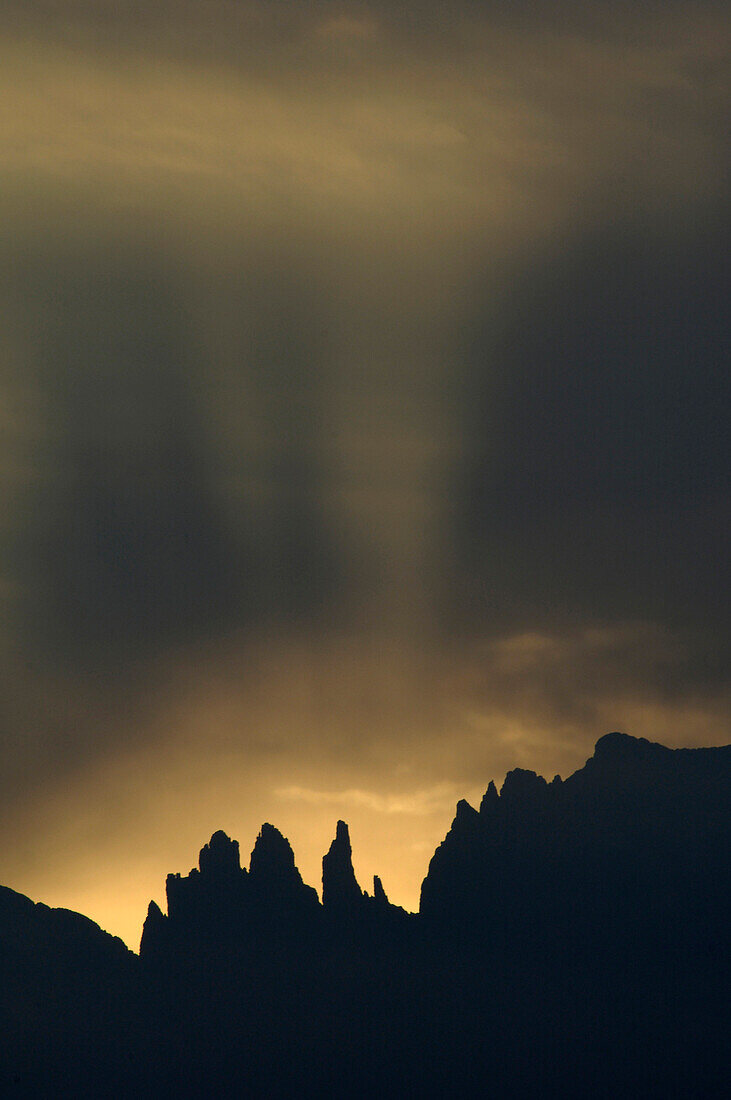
x,y
364,410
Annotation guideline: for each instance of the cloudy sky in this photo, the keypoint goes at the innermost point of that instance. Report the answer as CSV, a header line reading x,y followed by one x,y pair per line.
x,y
364,403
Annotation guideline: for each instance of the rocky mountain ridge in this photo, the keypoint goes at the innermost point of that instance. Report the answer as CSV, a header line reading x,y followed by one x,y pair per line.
x,y
560,922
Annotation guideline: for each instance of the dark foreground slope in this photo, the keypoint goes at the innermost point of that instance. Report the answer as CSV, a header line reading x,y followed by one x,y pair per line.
x,y
67,1000
572,941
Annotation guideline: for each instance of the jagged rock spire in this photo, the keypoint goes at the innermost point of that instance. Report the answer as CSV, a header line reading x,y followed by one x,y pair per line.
x,y
340,889
272,859
219,858
153,930
522,788
466,819
490,800
379,894
465,812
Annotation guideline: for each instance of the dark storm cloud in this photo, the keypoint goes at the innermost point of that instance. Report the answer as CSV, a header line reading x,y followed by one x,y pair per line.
x,y
358,438
205,469
598,486
130,548
130,545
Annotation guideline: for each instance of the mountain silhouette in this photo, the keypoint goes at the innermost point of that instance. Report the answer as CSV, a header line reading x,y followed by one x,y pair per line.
x,y
572,940
67,997
634,848
340,890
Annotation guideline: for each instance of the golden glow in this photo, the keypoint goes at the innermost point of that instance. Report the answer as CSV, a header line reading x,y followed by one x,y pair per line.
x,y
393,173
240,737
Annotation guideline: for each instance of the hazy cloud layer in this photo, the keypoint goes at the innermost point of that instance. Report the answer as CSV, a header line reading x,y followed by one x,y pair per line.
x,y
363,406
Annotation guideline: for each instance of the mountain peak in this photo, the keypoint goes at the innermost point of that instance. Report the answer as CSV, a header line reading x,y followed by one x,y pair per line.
x,y
490,800
340,888
153,930
272,853
219,858
274,880
618,746
522,786
378,892
465,814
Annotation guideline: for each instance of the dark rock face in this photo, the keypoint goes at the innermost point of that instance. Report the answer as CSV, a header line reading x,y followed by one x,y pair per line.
x,y
207,901
154,930
379,894
272,860
219,860
67,999
573,941
340,889
29,928
617,747
222,905
522,789
635,844
490,801
274,881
